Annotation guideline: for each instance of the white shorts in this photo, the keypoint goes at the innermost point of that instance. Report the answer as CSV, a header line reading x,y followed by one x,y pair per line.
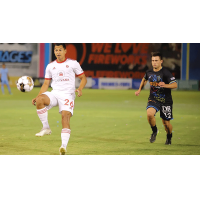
x,y
65,101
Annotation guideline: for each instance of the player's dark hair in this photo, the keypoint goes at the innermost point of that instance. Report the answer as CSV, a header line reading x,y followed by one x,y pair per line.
x,y
3,63
60,44
154,54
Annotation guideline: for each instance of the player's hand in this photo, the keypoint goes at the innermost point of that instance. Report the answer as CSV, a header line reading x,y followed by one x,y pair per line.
x,y
79,92
34,101
137,93
161,84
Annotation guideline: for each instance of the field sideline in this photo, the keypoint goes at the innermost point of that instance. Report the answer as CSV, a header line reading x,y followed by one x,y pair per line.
x,y
105,122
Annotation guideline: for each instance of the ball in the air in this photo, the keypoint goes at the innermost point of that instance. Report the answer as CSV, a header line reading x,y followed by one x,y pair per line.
x,y
25,84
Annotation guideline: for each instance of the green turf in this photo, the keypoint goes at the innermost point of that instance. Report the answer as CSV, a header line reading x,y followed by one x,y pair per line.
x,y
105,122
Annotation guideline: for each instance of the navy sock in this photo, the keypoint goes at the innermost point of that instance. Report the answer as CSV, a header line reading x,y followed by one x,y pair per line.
x,y
154,129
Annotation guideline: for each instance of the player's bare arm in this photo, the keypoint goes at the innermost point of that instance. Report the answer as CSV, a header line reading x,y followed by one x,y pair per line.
x,y
170,86
43,89
142,84
82,84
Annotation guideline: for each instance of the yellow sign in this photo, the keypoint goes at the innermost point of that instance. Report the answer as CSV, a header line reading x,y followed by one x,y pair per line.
x,y
13,81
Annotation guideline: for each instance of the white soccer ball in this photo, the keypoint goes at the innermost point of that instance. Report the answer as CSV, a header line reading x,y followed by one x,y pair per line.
x,y
25,84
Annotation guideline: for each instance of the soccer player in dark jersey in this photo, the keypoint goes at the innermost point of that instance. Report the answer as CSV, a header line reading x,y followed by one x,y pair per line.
x,y
161,82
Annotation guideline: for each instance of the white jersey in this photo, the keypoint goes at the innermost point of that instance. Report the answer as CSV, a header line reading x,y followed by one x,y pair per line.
x,y
63,75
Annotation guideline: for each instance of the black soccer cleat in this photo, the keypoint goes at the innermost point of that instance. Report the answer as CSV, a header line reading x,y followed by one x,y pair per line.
x,y
168,142
153,137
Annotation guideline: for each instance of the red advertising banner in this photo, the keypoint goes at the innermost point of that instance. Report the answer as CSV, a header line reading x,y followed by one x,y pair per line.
x,y
122,60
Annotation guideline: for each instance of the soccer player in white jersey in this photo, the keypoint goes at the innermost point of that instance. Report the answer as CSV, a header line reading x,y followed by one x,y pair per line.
x,y
62,72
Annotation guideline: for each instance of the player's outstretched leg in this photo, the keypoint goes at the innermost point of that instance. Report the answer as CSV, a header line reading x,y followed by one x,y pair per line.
x,y
152,121
168,129
41,101
65,133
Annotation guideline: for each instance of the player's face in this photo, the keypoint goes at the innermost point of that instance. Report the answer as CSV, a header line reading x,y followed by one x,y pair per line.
x,y
3,66
156,62
60,52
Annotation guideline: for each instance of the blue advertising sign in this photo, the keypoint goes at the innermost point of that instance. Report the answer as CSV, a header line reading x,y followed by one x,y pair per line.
x,y
95,83
136,83
16,56
115,83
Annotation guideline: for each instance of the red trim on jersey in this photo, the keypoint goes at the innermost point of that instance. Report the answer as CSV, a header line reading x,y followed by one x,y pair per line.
x,y
80,74
61,62
47,78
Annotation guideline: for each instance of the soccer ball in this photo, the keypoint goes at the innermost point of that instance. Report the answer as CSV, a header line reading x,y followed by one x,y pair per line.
x,y
25,84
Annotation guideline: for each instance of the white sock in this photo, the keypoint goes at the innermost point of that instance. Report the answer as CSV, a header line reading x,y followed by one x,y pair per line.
x,y
65,135
43,115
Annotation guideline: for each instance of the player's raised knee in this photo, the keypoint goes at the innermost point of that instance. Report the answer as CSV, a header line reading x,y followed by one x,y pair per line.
x,y
40,99
43,99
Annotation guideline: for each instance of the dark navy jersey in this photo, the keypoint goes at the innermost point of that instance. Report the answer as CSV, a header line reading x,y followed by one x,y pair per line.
x,y
158,93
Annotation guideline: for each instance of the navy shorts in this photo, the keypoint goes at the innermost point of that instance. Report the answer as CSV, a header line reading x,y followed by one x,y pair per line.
x,y
164,108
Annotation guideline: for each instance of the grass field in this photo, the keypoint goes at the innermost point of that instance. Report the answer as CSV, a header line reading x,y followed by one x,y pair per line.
x,y
105,122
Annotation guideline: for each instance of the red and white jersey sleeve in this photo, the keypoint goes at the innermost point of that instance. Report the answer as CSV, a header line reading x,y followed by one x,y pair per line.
x,y
63,75
77,69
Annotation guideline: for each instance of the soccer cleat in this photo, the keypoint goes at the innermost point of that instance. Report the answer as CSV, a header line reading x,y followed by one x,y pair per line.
x,y
43,132
168,142
62,150
153,137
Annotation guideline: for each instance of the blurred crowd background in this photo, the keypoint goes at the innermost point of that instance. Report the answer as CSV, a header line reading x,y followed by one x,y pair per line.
x,y
105,62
